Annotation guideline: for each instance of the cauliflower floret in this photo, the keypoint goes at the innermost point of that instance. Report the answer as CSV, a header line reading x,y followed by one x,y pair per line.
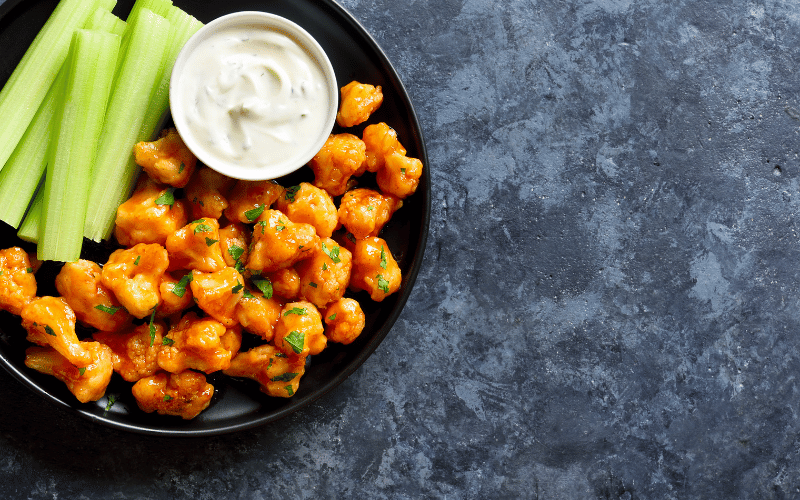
x,y
399,175
218,293
87,383
50,321
17,282
258,314
166,160
176,295
364,212
299,330
278,374
325,275
359,101
80,284
380,140
341,157
134,276
248,199
150,215
311,205
196,246
344,321
206,193
285,283
183,394
374,269
202,344
234,241
278,242
134,353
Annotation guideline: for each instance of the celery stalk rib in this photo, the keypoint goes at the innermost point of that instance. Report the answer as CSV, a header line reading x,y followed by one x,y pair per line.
x,y
79,121
29,229
134,86
27,86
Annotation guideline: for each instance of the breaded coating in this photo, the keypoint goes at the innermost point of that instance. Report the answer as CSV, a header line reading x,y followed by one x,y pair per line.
x,y
311,205
374,269
17,281
134,352
183,394
278,243
166,160
248,199
218,293
344,321
150,215
325,275
87,383
359,101
202,344
380,140
364,212
196,246
278,374
299,331
340,158
50,321
134,276
207,193
80,284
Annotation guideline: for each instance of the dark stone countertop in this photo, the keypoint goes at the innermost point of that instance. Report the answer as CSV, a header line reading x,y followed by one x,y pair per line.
x,y
608,306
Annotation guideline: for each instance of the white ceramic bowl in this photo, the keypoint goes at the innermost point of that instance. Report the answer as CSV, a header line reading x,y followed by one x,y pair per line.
x,y
183,83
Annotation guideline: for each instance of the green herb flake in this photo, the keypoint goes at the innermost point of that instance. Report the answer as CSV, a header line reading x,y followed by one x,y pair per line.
x,y
284,377
333,253
106,309
202,228
181,168
300,311
403,171
138,258
383,257
254,213
152,327
180,287
370,208
383,284
312,284
210,242
167,341
236,252
166,198
167,397
247,295
332,317
296,340
324,266
350,237
238,288
49,330
265,285
110,402
289,390
81,371
29,270
291,192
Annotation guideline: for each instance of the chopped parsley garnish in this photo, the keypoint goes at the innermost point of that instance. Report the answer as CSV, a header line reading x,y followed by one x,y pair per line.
x,y
29,270
333,253
289,390
300,311
312,284
247,295
202,228
324,266
332,317
291,192
383,257
181,168
167,341
284,377
265,285
403,170
280,355
180,287
235,252
152,327
49,330
167,397
166,198
81,371
210,242
136,262
382,283
296,340
370,208
237,288
110,403
254,213
350,237
106,309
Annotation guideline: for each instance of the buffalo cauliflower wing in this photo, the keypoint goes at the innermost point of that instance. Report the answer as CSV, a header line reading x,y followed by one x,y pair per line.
x,y
311,205
134,353
374,269
340,158
17,281
183,394
150,215
196,246
80,284
87,383
134,276
218,293
50,321
167,159
344,321
202,344
248,199
278,374
278,242
364,212
299,330
359,101
325,275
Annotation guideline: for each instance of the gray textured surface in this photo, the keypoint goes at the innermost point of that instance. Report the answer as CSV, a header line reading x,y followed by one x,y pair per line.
x,y
609,302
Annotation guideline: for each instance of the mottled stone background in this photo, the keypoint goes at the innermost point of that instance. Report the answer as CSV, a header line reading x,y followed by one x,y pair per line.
x,y
608,306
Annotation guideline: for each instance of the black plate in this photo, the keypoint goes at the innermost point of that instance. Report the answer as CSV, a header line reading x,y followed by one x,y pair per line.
x,y
238,404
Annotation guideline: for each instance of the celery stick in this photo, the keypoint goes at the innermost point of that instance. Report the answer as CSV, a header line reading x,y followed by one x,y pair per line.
x,y
29,229
133,89
104,20
79,122
34,75
182,27
20,176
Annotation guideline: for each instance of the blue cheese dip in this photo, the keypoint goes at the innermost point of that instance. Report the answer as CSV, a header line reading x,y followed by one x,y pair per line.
x,y
253,99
